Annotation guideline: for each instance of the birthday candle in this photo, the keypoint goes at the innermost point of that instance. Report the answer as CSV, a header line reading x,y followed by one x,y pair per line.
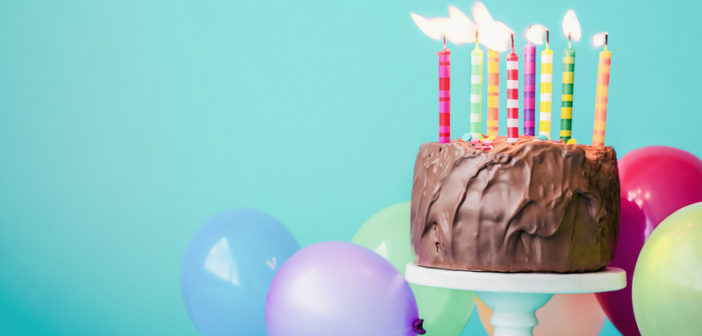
x,y
567,92
512,96
602,94
546,87
571,29
476,90
493,90
444,94
529,88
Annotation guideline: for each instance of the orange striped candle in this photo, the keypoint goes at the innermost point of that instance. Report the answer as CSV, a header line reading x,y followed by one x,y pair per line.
x,y
602,95
493,91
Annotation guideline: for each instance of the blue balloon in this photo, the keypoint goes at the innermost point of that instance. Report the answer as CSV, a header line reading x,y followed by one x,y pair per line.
x,y
227,269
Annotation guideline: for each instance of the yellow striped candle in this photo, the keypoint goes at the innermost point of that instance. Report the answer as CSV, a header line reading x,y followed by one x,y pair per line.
x,y
493,91
546,91
602,94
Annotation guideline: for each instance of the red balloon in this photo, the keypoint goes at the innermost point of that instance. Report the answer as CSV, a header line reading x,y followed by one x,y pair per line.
x,y
655,182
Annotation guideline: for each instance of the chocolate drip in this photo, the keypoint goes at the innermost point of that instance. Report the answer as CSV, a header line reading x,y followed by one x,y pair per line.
x,y
531,206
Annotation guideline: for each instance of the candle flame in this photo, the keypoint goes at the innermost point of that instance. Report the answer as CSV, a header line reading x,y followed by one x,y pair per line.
x,y
571,26
535,34
433,28
492,34
481,14
457,27
463,26
598,39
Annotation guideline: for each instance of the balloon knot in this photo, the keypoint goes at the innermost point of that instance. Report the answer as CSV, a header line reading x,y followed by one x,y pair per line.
x,y
418,327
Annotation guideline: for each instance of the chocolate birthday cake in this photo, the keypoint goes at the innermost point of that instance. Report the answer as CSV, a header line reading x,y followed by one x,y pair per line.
x,y
532,206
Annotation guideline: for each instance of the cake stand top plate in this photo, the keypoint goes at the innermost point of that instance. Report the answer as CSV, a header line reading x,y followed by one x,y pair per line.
x,y
610,279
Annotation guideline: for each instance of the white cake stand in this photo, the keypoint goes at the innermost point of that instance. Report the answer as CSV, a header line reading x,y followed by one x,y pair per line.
x,y
515,297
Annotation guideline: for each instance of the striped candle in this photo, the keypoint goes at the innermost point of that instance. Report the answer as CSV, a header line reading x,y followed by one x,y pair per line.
x,y
529,89
493,91
512,96
602,94
476,91
567,93
444,94
546,89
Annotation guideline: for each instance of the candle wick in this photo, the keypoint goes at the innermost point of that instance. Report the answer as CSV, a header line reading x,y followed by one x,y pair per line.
x,y
444,40
476,37
547,38
606,40
512,37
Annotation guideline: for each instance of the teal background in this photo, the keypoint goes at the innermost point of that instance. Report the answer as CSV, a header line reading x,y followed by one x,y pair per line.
x,y
126,124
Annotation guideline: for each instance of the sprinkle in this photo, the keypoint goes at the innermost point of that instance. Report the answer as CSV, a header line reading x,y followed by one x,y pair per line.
x,y
487,142
475,141
543,137
466,137
572,141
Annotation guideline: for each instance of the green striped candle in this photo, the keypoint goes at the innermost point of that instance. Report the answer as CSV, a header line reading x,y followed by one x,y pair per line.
x,y
476,91
567,93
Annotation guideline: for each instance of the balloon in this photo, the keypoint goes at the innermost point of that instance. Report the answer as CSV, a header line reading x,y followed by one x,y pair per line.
x,y
227,268
655,182
445,311
667,287
339,288
564,314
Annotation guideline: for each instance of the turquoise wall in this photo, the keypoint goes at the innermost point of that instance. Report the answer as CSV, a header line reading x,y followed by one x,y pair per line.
x,y
125,124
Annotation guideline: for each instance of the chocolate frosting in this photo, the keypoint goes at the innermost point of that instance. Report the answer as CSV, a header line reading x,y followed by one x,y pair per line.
x,y
532,206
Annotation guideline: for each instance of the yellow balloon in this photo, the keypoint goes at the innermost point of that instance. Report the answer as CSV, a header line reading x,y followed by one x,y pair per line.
x,y
667,285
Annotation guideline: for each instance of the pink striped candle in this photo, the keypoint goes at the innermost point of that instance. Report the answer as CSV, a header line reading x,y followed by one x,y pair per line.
x,y
444,94
512,96
529,89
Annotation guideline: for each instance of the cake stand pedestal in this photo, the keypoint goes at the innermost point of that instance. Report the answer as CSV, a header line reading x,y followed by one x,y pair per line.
x,y
515,297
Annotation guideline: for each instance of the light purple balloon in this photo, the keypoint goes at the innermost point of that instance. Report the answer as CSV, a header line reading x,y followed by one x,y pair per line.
x,y
339,288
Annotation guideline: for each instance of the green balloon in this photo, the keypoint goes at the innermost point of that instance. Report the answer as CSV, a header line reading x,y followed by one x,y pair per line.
x,y
667,285
445,311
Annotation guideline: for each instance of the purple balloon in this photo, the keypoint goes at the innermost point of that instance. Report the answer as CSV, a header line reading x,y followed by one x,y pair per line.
x,y
339,288
655,182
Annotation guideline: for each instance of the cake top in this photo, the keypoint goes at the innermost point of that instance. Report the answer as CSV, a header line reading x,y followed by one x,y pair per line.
x,y
525,144
501,144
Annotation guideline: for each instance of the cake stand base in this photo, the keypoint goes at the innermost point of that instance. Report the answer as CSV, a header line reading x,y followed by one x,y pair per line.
x,y
515,297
